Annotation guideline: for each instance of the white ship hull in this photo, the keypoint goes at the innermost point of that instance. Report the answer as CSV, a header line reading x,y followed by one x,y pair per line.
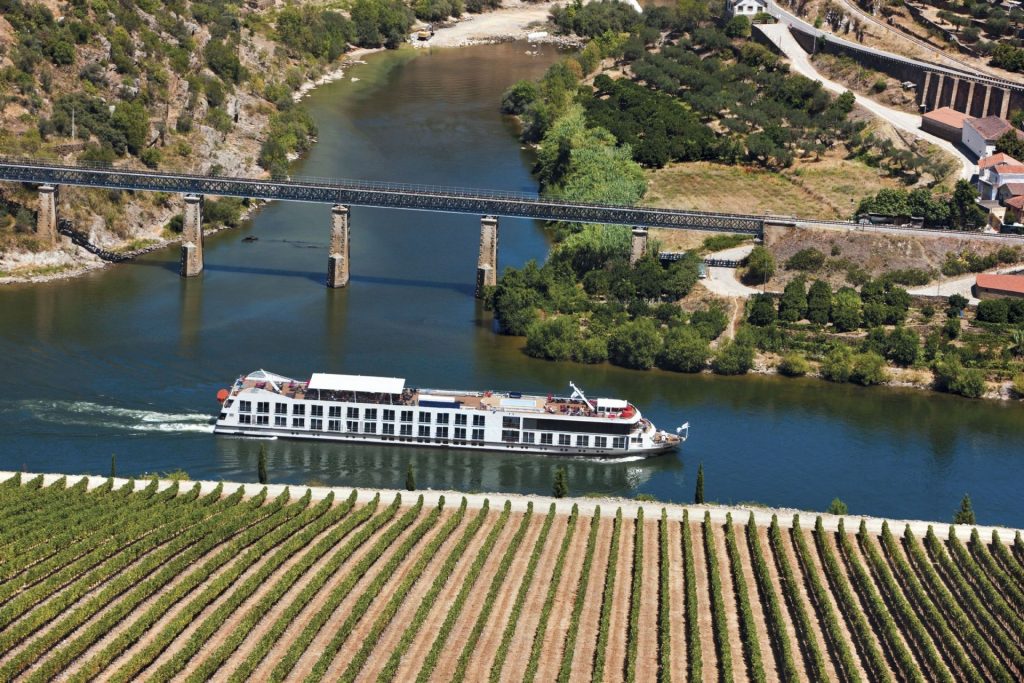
x,y
372,410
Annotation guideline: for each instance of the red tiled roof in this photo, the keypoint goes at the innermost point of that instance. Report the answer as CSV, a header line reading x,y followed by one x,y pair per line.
x,y
996,159
1016,201
1003,283
1008,168
1012,189
946,116
990,128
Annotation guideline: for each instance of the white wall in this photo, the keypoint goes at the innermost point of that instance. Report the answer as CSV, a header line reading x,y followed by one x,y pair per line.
x,y
973,141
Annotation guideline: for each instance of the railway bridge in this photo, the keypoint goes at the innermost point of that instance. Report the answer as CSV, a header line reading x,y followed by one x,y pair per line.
x,y
48,176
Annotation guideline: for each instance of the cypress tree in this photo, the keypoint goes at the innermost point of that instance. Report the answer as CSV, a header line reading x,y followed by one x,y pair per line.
x,y
698,494
965,515
113,465
262,467
410,478
560,489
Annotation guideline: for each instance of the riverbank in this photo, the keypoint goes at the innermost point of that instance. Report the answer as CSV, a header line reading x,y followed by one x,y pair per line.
x,y
515,20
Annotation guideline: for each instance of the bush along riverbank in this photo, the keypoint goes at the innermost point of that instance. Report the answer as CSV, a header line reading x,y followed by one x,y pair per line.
x,y
591,303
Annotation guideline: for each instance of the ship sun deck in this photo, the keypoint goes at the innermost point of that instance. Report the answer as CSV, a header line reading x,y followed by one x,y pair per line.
x,y
392,391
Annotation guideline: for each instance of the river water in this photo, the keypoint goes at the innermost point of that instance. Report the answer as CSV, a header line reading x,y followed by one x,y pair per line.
x,y
127,361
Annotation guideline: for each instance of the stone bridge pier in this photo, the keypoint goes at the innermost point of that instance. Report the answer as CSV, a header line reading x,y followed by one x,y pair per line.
x,y
338,260
637,245
192,237
46,217
487,261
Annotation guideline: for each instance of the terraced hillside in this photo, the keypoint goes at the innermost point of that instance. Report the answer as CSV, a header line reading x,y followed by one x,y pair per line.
x,y
154,580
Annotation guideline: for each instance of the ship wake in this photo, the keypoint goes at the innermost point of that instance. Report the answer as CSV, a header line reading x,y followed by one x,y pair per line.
x,y
89,414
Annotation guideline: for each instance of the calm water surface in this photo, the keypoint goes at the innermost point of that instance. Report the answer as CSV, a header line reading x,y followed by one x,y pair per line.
x,y
127,361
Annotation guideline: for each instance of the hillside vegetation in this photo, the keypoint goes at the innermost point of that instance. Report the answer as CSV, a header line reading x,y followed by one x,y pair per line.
x,y
146,581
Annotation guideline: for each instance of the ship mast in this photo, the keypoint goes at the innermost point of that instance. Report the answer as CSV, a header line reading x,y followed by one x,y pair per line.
x,y
578,393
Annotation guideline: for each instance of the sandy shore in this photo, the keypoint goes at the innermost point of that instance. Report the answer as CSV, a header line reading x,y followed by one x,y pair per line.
x,y
514,21
674,511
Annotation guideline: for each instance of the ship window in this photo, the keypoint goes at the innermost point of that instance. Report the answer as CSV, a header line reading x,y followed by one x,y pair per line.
x,y
371,414
637,439
280,421
546,439
299,409
352,426
619,442
281,408
509,435
460,433
263,419
245,419
424,416
406,430
370,427
510,422
352,412
460,419
478,435
601,442
334,425
564,440
298,422
387,429
406,416
389,415
316,410
245,406
263,407
583,441
478,420
441,432
424,430
442,418
316,423
529,437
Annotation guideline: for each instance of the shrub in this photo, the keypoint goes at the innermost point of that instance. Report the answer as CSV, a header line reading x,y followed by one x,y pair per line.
x,y
760,263
993,310
819,302
733,358
838,507
838,364
552,339
794,365
634,345
793,304
685,351
710,322
868,369
846,310
952,376
809,259
762,310
1018,385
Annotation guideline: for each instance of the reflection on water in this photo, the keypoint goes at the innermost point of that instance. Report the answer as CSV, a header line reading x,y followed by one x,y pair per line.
x,y
128,360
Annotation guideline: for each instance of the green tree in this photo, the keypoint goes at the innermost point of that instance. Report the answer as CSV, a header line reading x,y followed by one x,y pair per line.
x,y
793,304
846,310
903,346
261,467
738,27
686,350
698,493
634,344
410,478
560,486
552,339
762,310
222,58
131,119
518,97
964,212
760,265
965,514
837,507
794,365
819,302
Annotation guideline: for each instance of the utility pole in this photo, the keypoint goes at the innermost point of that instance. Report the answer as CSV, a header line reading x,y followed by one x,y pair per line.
x,y
74,131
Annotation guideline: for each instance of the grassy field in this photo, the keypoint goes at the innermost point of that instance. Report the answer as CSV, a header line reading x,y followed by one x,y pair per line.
x,y
828,189
161,583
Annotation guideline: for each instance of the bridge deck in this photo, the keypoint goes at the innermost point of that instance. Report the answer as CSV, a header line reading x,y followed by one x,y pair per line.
x,y
376,194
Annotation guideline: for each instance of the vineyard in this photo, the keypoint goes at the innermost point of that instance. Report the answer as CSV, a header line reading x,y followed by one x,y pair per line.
x,y
146,580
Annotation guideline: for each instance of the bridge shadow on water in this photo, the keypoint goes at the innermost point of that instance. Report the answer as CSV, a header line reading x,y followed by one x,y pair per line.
x,y
319,277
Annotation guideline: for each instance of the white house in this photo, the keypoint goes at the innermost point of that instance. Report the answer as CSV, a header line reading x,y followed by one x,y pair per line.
x,y
746,7
980,135
1000,177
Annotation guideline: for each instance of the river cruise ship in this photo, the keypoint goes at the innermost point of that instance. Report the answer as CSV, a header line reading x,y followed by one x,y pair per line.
x,y
364,409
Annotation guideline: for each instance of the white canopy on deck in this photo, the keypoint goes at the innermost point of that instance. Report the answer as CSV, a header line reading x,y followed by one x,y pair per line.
x,y
358,383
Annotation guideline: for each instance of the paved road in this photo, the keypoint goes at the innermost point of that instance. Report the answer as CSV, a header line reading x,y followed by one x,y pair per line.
x,y
960,285
724,281
800,62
